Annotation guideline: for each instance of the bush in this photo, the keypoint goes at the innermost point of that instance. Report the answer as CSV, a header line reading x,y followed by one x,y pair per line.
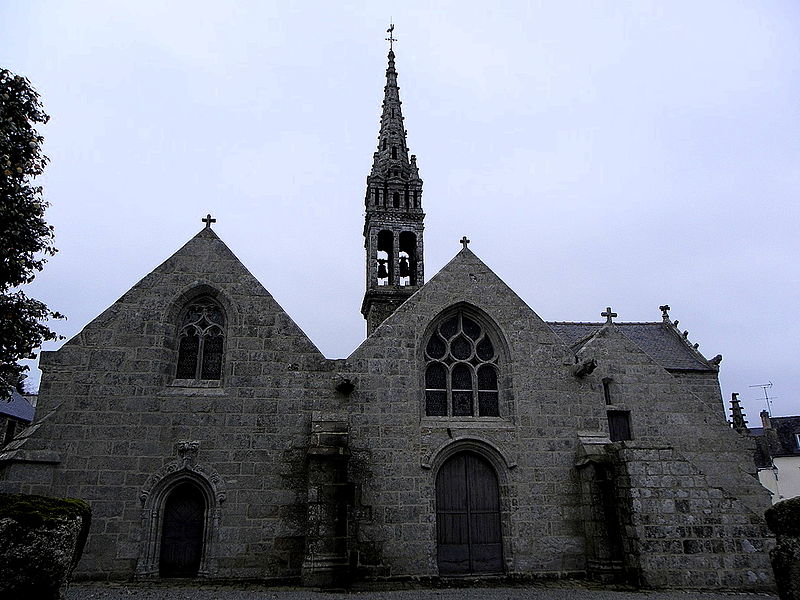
x,y
784,517
42,540
37,511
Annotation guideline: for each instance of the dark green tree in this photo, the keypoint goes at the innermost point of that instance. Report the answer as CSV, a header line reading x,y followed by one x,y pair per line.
x,y
26,240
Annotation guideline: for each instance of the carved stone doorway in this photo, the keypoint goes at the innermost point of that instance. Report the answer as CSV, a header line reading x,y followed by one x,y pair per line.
x,y
182,531
468,531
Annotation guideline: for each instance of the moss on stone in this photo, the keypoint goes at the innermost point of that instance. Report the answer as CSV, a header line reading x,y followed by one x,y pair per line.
x,y
41,511
784,517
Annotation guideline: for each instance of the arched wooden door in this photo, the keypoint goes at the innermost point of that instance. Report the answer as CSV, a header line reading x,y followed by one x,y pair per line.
x,y
182,532
468,536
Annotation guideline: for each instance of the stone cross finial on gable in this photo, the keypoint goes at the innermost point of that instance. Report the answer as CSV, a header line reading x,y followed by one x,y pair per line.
x,y
464,241
664,312
208,221
608,315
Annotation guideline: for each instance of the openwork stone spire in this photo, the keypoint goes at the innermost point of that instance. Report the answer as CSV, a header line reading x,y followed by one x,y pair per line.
x,y
394,219
392,158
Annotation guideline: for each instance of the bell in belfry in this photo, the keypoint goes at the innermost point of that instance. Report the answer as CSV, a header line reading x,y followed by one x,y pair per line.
x,y
405,271
382,272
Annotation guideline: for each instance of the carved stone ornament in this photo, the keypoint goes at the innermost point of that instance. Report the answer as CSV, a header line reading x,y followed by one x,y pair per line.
x,y
344,385
187,462
187,451
584,367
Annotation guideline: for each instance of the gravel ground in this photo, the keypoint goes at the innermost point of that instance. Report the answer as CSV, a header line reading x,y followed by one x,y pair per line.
x,y
109,591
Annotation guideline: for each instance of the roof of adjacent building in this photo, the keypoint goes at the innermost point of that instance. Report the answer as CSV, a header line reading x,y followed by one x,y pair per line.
x,y
778,440
17,407
661,341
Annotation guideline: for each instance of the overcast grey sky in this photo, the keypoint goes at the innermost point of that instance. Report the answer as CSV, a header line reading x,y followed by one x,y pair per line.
x,y
596,153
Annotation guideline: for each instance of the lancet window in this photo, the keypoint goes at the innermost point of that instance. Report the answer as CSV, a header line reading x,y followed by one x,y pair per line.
x,y
461,370
201,340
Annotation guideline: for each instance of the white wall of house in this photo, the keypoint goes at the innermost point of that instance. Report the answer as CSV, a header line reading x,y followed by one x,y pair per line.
x,y
783,481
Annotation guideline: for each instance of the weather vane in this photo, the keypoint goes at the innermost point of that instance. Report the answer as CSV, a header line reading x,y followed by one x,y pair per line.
x,y
391,39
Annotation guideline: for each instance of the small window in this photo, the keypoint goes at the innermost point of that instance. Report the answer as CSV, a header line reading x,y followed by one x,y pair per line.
x,y
201,341
394,151
607,390
797,440
461,370
619,425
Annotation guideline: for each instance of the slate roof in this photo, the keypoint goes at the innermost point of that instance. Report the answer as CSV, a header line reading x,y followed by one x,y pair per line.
x,y
18,408
776,442
660,341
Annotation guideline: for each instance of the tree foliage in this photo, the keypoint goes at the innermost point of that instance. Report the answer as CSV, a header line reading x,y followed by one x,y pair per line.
x,y
26,240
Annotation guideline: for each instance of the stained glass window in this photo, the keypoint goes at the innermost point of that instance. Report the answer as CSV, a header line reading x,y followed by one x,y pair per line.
x,y
201,341
461,376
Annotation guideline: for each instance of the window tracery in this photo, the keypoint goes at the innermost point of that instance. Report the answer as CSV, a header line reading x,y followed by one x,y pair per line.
x,y
201,340
461,370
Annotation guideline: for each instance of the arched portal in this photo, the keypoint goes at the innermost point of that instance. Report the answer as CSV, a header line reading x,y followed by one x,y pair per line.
x,y
468,531
182,531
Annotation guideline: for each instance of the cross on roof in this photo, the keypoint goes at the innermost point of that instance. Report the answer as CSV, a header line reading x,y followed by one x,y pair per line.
x,y
608,314
208,221
664,311
464,241
391,39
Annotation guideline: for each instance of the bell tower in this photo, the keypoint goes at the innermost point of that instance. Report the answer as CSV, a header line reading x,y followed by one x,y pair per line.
x,y
394,218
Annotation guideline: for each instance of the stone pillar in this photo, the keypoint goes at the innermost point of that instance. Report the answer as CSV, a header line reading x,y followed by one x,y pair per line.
x,y
602,528
326,562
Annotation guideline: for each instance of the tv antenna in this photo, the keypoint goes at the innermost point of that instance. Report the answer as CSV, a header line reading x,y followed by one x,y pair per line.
x,y
767,399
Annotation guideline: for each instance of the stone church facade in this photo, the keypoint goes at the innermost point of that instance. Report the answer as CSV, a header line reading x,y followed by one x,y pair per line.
x,y
464,436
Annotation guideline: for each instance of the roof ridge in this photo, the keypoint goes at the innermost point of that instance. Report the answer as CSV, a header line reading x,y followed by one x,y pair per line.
x,y
684,337
600,323
656,339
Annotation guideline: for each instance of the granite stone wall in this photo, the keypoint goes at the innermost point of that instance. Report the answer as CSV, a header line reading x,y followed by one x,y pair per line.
x,y
123,430
681,532
121,415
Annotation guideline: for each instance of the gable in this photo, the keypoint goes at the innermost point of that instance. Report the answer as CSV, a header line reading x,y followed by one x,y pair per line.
x,y
204,265
467,280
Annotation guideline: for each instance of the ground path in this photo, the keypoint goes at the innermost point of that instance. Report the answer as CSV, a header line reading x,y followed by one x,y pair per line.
x,y
561,591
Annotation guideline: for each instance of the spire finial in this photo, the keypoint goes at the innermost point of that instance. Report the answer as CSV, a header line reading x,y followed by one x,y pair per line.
x,y
391,39
208,221
608,315
737,414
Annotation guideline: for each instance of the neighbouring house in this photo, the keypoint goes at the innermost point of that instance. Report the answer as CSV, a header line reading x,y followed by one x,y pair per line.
x,y
777,450
15,414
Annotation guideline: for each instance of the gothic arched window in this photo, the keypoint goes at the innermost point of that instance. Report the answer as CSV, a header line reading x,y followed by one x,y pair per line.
x,y
461,370
201,340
